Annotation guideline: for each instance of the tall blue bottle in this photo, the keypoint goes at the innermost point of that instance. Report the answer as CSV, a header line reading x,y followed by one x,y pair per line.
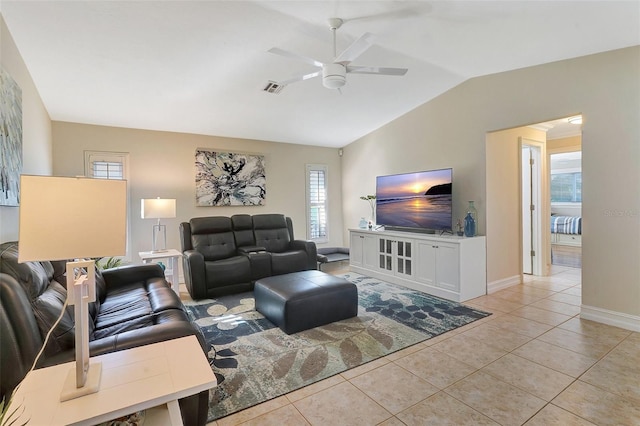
x,y
469,226
470,221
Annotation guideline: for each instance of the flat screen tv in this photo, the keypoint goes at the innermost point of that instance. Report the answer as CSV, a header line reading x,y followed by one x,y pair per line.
x,y
417,201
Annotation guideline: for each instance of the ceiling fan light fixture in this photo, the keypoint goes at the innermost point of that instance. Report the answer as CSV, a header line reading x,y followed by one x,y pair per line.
x,y
334,76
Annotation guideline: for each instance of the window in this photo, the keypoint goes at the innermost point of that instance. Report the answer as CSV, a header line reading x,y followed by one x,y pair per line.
x,y
566,177
317,203
105,165
566,187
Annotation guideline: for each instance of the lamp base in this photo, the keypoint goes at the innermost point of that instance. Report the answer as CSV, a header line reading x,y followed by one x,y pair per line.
x,y
92,385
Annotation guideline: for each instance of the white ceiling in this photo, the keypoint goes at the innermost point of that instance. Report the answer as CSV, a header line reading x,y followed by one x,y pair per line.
x,y
200,66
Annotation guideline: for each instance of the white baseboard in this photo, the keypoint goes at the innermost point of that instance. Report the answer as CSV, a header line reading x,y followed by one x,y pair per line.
x,y
498,285
616,319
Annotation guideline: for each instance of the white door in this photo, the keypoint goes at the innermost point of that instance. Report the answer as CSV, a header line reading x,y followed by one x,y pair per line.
x,y
531,253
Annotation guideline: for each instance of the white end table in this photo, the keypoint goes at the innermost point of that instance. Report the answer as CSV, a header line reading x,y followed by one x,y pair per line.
x,y
137,379
172,271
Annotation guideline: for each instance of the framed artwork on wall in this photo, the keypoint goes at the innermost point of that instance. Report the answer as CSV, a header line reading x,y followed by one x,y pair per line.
x,y
229,179
10,140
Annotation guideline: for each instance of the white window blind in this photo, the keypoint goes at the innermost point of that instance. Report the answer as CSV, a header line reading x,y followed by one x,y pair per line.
x,y
105,165
317,203
107,170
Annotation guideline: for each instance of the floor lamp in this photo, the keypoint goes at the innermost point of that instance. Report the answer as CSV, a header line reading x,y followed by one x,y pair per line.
x,y
63,218
158,208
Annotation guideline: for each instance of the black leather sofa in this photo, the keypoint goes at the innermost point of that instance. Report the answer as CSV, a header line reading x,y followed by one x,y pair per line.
x,y
134,306
224,255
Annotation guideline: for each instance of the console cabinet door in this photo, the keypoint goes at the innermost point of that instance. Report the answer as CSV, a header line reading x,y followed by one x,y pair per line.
x,y
363,251
395,256
426,262
437,264
447,267
356,250
370,254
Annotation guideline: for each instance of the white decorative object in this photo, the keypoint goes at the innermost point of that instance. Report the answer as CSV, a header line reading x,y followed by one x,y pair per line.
x,y
10,140
63,218
158,208
229,179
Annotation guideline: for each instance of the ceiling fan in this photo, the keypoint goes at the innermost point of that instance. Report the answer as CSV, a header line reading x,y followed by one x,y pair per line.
x,y
334,74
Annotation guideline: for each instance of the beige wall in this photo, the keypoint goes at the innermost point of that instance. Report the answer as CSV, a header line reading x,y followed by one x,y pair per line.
x,y
161,164
572,143
450,130
36,127
503,209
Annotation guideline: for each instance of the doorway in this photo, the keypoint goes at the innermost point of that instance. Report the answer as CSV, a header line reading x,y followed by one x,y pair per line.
x,y
566,207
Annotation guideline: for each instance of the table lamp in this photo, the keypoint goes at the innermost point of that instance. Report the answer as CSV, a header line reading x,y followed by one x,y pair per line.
x,y
63,218
158,208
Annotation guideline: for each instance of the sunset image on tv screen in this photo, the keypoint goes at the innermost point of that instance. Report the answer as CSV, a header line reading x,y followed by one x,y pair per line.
x,y
415,200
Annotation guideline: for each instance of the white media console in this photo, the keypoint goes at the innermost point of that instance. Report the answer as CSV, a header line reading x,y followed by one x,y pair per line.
x,y
450,267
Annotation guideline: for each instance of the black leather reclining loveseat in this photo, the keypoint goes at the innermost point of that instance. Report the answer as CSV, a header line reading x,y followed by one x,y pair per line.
x,y
134,306
224,255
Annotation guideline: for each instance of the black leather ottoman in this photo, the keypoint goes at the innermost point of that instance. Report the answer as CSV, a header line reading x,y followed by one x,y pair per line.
x,y
302,300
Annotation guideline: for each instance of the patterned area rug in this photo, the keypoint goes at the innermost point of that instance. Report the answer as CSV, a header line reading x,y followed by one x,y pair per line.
x,y
255,361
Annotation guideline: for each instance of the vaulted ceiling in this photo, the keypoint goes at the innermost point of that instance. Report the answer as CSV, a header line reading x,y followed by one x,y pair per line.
x,y
201,66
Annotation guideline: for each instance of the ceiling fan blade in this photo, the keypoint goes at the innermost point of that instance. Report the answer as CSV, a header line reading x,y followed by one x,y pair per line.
x,y
356,49
376,70
286,54
300,78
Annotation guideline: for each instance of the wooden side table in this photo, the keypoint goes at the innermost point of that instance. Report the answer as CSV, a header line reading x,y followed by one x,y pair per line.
x,y
137,379
172,271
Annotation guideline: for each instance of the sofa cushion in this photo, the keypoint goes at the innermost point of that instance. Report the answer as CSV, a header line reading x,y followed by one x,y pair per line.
x,y
271,232
234,270
289,261
116,327
46,309
213,237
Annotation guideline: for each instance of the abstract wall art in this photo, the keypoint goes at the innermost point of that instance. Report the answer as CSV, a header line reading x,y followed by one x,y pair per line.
x,y
229,179
10,140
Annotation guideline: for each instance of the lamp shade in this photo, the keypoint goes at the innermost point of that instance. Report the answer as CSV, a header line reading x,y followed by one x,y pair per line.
x,y
157,208
64,218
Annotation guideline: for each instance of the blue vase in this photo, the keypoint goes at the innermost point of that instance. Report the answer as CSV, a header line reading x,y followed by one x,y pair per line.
x,y
469,225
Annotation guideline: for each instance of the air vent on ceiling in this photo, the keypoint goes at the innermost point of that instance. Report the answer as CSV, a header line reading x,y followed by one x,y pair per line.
x,y
273,87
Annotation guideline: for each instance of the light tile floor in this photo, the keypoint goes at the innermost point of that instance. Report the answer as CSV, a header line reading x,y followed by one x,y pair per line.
x,y
532,362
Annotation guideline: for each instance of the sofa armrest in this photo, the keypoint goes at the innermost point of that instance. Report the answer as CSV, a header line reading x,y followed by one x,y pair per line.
x,y
194,274
310,248
124,275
